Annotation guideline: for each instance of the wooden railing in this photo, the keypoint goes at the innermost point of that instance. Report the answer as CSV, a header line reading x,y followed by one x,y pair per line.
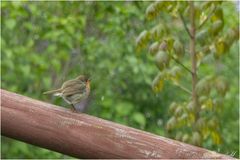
x,y
83,136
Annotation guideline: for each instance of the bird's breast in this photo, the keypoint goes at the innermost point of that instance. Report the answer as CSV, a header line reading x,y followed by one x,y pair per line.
x,y
87,88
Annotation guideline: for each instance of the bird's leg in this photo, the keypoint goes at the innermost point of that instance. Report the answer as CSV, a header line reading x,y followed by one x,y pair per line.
x,y
73,108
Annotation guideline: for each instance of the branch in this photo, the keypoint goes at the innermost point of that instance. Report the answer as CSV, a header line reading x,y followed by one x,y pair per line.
x,y
84,136
185,24
210,14
183,88
177,61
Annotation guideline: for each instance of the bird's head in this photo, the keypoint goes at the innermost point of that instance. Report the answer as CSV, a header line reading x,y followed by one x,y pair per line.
x,y
84,78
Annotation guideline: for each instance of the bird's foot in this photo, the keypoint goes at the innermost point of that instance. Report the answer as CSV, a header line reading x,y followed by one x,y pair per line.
x,y
73,109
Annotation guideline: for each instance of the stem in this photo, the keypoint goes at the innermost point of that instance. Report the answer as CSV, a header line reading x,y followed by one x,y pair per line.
x,y
193,58
183,88
185,24
187,69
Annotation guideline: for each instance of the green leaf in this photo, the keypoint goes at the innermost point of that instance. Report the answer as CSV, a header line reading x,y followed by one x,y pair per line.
x,y
163,46
178,48
179,136
139,118
202,36
25,70
142,39
221,85
204,85
10,23
162,59
175,74
154,48
170,42
124,108
172,107
216,27
208,104
216,137
153,9
200,123
213,123
171,123
157,84
106,102
56,64
178,111
157,32
205,5
47,82
191,107
218,15
221,47
231,36
185,138
196,138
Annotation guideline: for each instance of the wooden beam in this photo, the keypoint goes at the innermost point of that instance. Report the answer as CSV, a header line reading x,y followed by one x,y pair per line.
x,y
83,136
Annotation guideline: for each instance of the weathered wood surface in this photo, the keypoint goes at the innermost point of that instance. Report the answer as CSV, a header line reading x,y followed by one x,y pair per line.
x,y
83,136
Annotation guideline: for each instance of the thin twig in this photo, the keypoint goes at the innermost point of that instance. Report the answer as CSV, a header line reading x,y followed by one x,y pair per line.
x,y
183,88
185,24
177,61
210,14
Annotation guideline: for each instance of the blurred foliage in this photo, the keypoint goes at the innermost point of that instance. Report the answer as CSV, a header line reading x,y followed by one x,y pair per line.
x,y
196,119
46,43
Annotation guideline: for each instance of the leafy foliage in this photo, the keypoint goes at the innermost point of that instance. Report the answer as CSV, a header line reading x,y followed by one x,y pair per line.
x,y
46,43
196,119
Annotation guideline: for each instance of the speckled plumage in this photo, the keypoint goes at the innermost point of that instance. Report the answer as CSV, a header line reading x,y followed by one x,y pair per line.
x,y
73,91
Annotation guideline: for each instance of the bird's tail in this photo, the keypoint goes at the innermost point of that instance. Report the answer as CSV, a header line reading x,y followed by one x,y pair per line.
x,y
55,92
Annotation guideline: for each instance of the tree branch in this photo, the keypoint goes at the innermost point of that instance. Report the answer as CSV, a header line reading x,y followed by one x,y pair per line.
x,y
183,88
185,24
177,61
194,59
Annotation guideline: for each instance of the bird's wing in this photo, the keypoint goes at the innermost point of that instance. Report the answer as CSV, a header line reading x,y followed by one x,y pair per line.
x,y
75,98
71,83
79,88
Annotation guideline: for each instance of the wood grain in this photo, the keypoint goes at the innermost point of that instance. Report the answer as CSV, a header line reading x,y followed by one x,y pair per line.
x,y
83,136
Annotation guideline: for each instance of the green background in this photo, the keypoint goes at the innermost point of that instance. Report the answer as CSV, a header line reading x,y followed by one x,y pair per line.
x,y
46,43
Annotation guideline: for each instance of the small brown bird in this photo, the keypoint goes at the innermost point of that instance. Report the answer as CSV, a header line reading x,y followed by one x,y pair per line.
x,y
74,91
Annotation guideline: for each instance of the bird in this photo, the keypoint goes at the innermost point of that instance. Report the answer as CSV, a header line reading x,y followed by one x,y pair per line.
x,y
75,92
